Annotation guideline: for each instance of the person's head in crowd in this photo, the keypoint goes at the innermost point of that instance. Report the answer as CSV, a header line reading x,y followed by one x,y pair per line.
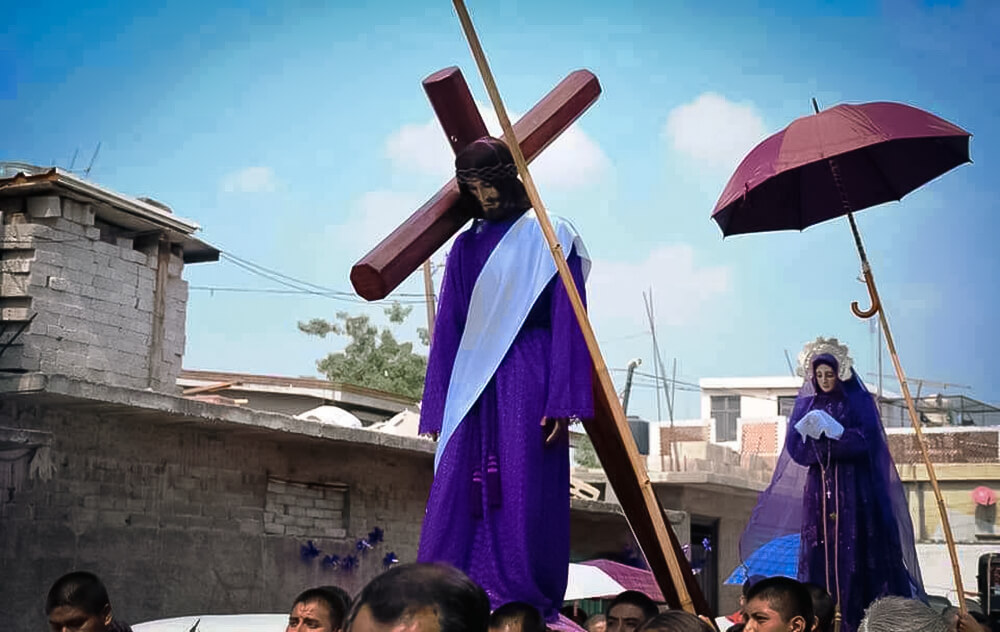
x,y
420,598
823,608
747,585
971,621
320,609
675,621
894,614
596,623
778,604
78,602
629,610
517,616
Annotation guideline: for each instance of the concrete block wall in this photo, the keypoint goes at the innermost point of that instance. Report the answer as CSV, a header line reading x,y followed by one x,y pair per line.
x,y
174,517
94,296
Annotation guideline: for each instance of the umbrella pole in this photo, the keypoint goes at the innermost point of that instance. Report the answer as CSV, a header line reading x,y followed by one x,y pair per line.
x,y
877,308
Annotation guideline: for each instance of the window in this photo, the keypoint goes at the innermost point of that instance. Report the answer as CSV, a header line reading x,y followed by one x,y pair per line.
x,y
725,411
786,403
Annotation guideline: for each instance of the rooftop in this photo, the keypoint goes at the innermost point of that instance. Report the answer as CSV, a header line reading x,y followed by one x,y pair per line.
x,y
138,215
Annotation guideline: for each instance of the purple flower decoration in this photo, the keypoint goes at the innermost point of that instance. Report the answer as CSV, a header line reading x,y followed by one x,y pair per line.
x,y
389,560
309,552
363,546
349,563
706,544
375,536
331,561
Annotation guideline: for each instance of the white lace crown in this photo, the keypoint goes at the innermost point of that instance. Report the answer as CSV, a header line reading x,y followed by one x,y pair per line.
x,y
820,346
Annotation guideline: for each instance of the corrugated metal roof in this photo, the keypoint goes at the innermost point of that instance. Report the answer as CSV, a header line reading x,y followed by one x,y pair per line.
x,y
23,180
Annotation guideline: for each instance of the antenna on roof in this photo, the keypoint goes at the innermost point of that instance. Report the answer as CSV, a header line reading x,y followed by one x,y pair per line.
x,y
86,171
73,162
789,361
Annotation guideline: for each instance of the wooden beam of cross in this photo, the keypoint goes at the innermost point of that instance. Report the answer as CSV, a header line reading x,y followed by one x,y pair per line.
x,y
609,430
415,240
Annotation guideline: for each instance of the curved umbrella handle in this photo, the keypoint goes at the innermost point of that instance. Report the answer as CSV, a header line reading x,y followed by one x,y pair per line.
x,y
872,293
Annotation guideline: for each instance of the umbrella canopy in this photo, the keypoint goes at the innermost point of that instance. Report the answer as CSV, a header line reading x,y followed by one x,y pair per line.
x,y
588,582
780,556
630,577
882,152
984,496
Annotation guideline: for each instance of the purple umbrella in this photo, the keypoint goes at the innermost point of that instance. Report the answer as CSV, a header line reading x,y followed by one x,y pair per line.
x,y
835,162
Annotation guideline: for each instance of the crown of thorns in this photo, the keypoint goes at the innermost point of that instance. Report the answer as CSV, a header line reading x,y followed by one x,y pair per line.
x,y
492,173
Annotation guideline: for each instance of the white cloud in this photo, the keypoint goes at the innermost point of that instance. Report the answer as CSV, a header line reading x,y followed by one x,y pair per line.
x,y
572,160
250,180
714,131
682,290
373,216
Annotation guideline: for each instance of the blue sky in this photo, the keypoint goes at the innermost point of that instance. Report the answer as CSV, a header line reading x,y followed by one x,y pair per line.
x,y
297,134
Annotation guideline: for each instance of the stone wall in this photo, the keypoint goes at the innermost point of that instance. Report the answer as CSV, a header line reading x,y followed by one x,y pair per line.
x,y
93,288
196,518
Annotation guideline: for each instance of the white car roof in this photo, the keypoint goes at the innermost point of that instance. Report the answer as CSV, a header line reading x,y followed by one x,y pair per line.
x,y
217,623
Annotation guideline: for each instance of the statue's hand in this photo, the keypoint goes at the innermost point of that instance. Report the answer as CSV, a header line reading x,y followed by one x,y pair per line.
x,y
553,427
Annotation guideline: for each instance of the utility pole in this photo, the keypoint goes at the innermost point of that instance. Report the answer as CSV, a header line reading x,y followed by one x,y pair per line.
x,y
628,383
429,299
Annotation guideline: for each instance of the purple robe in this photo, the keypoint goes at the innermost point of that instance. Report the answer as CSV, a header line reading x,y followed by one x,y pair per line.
x,y
499,504
867,549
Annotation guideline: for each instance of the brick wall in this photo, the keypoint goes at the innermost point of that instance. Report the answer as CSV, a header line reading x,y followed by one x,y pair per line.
x,y
681,434
94,292
760,438
953,446
175,517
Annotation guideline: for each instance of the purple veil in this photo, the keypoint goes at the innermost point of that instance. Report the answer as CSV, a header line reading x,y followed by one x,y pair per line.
x,y
873,537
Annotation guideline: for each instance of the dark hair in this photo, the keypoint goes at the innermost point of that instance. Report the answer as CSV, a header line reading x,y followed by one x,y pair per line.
x,y
750,581
78,589
337,601
675,621
786,596
518,612
488,159
823,607
461,605
635,598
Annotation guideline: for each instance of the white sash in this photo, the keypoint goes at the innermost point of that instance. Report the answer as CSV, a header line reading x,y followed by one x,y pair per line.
x,y
510,282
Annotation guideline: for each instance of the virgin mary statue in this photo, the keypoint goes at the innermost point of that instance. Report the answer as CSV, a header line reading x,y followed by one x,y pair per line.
x,y
836,486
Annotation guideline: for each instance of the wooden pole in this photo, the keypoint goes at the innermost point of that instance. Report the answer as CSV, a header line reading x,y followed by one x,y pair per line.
x,y
605,389
914,419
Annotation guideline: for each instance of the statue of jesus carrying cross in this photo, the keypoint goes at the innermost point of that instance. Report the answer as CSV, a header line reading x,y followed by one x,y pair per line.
x,y
508,368
509,359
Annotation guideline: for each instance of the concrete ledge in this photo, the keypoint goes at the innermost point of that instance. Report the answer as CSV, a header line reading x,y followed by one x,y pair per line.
x,y
712,479
151,407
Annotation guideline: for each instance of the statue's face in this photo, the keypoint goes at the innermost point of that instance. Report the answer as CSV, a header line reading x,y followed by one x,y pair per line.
x,y
825,377
488,197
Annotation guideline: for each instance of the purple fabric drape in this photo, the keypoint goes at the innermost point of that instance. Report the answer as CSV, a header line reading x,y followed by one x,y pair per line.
x,y
499,504
864,547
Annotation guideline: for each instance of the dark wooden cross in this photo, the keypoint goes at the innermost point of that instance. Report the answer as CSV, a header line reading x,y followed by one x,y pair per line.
x,y
416,239
399,255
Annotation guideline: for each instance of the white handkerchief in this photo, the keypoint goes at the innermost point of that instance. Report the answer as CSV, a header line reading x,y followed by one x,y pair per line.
x,y
816,422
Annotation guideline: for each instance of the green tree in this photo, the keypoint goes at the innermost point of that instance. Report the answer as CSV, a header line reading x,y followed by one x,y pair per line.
x,y
586,455
373,358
